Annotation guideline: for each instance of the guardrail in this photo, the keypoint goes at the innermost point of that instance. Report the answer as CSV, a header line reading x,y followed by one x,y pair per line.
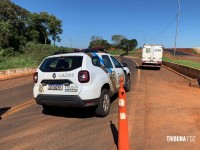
x,y
187,71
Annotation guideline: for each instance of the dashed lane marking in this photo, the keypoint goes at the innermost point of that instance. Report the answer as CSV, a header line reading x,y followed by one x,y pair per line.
x,y
132,105
18,108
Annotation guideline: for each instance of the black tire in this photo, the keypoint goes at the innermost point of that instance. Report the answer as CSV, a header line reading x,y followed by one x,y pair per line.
x,y
103,107
127,83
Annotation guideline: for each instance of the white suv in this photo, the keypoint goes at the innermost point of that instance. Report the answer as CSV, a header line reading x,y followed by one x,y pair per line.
x,y
79,80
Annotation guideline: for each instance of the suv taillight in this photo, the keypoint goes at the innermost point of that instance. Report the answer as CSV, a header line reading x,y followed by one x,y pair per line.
x,y
83,76
35,77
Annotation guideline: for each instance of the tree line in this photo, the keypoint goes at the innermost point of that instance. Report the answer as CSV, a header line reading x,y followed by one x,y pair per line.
x,y
20,29
18,26
119,42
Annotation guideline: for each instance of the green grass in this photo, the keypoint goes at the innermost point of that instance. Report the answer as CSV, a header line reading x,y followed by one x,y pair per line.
x,y
188,63
33,56
21,61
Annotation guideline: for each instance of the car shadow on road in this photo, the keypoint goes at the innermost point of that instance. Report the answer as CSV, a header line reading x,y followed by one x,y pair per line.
x,y
71,112
3,111
148,68
113,98
74,112
114,133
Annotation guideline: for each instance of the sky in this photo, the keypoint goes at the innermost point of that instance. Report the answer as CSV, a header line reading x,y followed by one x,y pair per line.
x,y
147,21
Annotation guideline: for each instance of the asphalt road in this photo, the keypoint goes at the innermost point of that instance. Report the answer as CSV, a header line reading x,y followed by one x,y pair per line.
x,y
33,128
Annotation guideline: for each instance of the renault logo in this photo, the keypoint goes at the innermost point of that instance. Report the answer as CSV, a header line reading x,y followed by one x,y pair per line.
x,y
54,75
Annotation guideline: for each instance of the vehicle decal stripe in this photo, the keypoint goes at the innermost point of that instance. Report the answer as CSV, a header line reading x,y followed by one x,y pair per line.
x,y
101,60
110,70
102,66
106,70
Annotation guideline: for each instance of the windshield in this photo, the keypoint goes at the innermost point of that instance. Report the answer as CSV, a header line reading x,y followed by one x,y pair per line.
x,y
59,64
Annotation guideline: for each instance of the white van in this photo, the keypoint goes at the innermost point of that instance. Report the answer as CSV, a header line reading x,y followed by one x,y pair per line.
x,y
152,55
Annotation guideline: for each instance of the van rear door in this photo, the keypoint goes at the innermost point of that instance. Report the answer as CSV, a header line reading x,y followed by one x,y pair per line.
x,y
157,54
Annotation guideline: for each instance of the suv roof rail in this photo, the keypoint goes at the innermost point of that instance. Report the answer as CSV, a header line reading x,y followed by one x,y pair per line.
x,y
57,53
95,50
83,51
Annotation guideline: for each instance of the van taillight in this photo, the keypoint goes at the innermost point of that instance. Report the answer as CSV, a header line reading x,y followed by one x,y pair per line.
x,y
35,77
83,76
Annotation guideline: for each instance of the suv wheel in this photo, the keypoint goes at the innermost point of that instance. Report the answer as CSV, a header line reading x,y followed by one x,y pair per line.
x,y
104,104
128,84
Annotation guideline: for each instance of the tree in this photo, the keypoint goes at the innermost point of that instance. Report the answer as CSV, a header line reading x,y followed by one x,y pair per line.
x,y
5,33
13,24
128,45
99,44
18,26
95,38
133,44
55,28
117,39
47,26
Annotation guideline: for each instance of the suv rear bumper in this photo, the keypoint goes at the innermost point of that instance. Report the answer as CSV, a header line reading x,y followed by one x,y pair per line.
x,y
155,63
65,101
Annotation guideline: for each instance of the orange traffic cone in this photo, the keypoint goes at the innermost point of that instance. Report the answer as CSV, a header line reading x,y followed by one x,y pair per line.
x,y
123,138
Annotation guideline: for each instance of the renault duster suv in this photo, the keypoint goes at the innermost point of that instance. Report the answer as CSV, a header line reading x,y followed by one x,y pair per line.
x,y
79,80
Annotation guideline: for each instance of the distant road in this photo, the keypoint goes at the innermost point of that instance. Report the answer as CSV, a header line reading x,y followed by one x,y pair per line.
x,y
178,53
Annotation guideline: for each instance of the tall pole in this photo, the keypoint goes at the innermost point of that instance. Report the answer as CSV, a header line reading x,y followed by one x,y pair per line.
x,y
178,14
70,42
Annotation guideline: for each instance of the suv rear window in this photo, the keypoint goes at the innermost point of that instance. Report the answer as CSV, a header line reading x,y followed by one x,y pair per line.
x,y
59,64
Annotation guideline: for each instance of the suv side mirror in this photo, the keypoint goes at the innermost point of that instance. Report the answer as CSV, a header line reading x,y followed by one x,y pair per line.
x,y
124,65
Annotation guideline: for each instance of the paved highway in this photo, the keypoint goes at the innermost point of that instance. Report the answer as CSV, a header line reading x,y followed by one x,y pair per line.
x,y
160,104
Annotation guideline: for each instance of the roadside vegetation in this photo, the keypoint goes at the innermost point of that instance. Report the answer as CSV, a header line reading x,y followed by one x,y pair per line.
x,y
188,63
134,52
25,37
32,56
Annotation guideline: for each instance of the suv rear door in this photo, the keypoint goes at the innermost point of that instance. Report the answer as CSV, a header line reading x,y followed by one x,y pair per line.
x,y
59,75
